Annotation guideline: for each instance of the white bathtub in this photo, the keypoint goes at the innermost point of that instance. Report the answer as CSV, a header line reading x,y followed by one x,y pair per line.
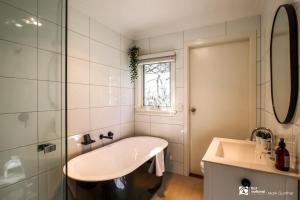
x,y
115,160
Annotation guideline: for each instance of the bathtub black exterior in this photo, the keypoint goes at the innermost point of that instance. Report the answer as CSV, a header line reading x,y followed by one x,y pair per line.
x,y
138,185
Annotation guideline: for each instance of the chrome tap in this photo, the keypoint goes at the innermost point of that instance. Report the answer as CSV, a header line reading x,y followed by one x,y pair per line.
x,y
272,138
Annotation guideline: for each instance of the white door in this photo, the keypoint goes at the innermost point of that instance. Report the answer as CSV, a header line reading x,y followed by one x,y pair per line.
x,y
222,96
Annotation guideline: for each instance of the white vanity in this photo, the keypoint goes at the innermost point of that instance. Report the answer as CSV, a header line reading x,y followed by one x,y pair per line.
x,y
228,162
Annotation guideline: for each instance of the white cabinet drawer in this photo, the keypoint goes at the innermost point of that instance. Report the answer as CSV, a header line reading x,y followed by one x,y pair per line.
x,y
222,182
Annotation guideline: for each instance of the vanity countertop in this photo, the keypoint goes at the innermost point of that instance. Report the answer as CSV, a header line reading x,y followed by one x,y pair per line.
x,y
243,154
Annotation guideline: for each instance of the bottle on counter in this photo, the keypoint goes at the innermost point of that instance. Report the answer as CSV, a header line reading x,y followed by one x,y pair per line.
x,y
282,161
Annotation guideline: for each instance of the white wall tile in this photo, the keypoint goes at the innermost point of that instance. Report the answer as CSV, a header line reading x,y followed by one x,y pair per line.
x,y
77,21
179,58
104,75
52,159
49,95
24,34
179,99
175,167
179,77
267,67
142,117
127,114
104,96
18,130
262,72
127,130
18,60
78,45
125,79
245,25
175,152
166,42
144,45
215,30
258,98
49,36
95,136
104,34
142,128
51,185
27,189
268,99
78,71
78,121
49,66
173,119
49,125
17,95
258,49
78,96
172,133
104,54
50,10
74,146
116,130
125,61
126,44
127,97
27,167
258,72
104,117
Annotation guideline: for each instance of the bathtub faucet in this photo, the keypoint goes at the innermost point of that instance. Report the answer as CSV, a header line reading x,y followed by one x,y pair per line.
x,y
110,135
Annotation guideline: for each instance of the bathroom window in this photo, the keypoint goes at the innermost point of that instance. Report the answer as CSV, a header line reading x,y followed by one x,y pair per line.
x,y
155,87
157,84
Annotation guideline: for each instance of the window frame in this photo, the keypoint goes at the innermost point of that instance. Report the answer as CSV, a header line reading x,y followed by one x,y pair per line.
x,y
139,85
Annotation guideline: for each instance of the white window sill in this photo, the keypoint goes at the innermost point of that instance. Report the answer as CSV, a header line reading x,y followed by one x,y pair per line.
x,y
153,111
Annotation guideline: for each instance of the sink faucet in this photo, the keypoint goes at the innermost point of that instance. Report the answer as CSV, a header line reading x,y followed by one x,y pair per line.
x,y
268,131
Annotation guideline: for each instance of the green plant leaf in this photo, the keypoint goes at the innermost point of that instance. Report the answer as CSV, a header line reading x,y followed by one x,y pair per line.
x,y
133,55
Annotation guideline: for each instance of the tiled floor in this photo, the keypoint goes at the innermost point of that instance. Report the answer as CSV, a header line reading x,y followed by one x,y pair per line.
x,y
177,187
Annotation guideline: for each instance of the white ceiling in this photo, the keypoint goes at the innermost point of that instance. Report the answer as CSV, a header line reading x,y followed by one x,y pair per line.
x,y
138,18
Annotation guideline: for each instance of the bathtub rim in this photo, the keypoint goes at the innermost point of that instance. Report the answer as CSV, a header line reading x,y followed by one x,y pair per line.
x,y
124,171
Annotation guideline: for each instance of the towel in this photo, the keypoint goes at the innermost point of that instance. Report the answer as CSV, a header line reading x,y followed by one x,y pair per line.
x,y
158,164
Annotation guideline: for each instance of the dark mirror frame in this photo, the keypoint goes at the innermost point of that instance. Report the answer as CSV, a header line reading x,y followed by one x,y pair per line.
x,y
293,36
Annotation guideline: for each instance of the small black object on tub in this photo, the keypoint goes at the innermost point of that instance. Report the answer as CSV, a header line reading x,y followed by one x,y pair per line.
x,y
87,139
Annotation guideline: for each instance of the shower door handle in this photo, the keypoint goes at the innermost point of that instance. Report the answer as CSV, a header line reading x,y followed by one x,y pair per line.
x,y
47,148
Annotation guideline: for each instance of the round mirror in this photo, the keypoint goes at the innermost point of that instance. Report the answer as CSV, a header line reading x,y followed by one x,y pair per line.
x,y
284,63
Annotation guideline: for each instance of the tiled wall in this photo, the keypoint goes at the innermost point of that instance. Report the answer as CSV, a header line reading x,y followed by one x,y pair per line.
x,y
100,94
171,127
290,131
31,100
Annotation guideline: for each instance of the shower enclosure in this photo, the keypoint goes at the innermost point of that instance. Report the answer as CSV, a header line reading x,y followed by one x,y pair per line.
x,y
32,99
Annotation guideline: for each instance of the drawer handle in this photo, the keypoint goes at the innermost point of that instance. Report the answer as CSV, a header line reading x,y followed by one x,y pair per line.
x,y
246,182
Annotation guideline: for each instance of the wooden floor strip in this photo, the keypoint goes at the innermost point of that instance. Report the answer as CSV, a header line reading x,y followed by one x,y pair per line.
x,y
177,187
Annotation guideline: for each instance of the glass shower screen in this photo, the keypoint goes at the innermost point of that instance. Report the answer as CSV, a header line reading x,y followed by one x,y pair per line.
x,y
32,99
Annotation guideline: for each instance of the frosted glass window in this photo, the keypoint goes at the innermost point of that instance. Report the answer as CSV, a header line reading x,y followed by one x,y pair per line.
x,y
157,84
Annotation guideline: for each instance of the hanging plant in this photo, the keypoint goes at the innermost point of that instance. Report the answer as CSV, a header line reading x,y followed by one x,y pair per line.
x,y
133,54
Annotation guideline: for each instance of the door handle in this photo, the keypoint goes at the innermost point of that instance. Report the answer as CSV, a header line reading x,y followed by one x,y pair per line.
x,y
193,110
47,148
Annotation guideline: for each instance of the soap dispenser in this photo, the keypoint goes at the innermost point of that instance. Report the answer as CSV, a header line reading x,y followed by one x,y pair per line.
x,y
282,157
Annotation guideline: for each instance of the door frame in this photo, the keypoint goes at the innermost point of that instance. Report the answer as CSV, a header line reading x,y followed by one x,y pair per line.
x,y
251,37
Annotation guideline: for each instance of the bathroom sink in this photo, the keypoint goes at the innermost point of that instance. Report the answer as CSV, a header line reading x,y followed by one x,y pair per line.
x,y
240,151
243,154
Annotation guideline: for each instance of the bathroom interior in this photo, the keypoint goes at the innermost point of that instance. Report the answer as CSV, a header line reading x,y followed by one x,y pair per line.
x,y
140,100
